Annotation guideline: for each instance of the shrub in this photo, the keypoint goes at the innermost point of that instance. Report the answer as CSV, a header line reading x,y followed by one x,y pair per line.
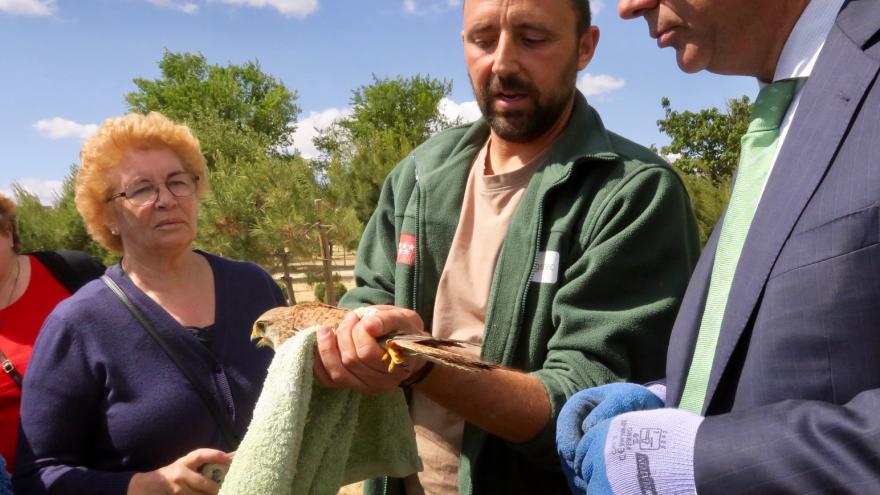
x,y
321,291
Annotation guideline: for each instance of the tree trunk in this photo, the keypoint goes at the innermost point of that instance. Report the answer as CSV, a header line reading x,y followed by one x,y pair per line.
x,y
288,280
327,261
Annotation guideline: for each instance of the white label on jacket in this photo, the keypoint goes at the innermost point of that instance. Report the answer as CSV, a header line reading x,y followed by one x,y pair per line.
x,y
546,267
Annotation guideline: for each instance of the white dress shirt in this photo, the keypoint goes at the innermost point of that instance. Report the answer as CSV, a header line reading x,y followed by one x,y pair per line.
x,y
800,53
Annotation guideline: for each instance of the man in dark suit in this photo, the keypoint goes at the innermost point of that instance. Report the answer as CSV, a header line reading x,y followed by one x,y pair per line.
x,y
773,369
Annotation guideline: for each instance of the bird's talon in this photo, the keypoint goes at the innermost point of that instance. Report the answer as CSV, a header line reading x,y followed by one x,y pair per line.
x,y
395,358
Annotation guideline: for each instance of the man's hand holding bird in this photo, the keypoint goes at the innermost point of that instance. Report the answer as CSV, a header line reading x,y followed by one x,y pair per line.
x,y
373,353
352,357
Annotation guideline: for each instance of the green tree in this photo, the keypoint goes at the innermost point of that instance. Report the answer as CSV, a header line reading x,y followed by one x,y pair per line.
x,y
231,108
706,143
708,201
264,210
705,146
258,210
389,118
57,226
261,205
39,226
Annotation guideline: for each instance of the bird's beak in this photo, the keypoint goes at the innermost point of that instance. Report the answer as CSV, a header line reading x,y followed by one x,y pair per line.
x,y
258,333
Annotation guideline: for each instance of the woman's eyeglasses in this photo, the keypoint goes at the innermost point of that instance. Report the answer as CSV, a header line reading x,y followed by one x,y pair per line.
x,y
144,192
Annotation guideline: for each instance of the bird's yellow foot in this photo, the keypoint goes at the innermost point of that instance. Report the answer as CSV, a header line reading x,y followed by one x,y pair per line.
x,y
393,356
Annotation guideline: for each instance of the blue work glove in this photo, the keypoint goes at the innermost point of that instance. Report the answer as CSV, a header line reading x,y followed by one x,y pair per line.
x,y
585,410
639,452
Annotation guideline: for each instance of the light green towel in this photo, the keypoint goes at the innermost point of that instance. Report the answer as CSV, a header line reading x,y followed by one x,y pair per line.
x,y
307,439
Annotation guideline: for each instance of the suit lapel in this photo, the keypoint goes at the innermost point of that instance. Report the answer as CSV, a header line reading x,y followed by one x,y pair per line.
x,y
826,109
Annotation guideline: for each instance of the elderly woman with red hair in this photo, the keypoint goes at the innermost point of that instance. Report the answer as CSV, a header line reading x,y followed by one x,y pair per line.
x,y
145,376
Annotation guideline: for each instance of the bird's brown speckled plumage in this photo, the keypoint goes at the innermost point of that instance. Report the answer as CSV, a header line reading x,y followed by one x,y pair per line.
x,y
277,325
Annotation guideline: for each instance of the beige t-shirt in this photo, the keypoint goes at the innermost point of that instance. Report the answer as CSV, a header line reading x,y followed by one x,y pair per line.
x,y
460,309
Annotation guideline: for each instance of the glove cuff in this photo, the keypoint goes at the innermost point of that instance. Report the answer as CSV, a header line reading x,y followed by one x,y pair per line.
x,y
659,390
652,452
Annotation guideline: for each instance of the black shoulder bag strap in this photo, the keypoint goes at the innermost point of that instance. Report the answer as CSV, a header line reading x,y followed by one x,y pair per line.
x,y
9,368
231,438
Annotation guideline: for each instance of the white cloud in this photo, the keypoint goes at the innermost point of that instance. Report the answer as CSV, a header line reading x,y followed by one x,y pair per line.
x,y
468,111
290,8
185,7
308,128
28,7
58,128
47,190
596,6
591,85
672,157
429,7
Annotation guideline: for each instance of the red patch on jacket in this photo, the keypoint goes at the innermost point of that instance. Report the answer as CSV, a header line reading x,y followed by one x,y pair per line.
x,y
406,249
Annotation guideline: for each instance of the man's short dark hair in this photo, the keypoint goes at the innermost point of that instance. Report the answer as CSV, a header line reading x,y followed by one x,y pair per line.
x,y
582,15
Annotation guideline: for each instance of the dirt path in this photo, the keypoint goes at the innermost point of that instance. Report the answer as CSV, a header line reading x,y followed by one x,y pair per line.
x,y
304,292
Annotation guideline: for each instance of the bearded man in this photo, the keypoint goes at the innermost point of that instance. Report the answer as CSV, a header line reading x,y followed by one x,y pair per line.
x,y
559,249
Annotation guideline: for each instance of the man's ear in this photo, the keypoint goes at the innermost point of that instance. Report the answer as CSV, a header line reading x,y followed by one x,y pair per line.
x,y
587,46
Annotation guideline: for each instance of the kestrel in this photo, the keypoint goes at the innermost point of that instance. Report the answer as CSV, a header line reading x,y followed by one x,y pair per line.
x,y
277,325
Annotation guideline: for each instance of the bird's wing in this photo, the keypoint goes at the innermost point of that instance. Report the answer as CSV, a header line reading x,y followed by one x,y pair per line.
x,y
434,350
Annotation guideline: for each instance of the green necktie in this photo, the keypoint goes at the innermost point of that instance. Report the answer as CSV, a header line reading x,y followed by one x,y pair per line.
x,y
757,149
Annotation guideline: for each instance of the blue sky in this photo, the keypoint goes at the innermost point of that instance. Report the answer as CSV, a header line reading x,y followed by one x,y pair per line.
x,y
65,65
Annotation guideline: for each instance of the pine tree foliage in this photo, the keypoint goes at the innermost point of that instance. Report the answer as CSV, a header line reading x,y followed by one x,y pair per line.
x,y
57,226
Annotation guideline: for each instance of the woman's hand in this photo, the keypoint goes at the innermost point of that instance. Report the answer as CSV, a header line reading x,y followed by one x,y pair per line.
x,y
351,357
180,477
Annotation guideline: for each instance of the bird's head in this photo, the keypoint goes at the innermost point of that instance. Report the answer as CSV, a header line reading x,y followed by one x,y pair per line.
x,y
275,326
269,329
259,333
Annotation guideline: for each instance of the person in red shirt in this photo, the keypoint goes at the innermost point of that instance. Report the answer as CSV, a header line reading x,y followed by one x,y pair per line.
x,y
30,287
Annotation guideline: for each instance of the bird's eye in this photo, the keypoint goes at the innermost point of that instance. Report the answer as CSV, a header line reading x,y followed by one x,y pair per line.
x,y
261,326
